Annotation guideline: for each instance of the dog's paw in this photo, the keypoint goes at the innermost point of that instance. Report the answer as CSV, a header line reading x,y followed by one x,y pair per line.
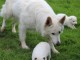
x,y
3,29
25,47
55,51
14,31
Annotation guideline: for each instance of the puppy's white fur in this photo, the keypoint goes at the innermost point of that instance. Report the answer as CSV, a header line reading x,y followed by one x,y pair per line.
x,y
42,51
34,14
70,21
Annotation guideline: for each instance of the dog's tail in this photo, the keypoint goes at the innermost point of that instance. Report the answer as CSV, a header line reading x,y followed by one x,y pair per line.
x,y
0,13
3,10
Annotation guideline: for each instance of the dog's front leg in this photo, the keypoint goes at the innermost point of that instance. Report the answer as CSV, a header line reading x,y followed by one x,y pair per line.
x,y
3,25
22,36
52,47
14,26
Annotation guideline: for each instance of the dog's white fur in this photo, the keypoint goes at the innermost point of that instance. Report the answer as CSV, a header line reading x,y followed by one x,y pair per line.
x,y
42,51
6,12
34,14
70,21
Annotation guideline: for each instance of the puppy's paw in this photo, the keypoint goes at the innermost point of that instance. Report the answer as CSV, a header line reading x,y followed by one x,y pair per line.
x,y
74,28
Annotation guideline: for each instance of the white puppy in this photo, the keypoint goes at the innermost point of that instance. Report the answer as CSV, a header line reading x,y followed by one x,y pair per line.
x,y
35,14
42,51
70,21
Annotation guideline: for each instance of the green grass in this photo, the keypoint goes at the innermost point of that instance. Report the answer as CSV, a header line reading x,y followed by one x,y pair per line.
x,y
69,49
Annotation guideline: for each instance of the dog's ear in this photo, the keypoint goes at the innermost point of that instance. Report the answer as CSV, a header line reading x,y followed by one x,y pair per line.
x,y
48,21
62,20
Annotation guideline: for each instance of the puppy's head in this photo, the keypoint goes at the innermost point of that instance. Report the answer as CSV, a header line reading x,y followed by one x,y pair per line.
x,y
53,28
73,20
44,58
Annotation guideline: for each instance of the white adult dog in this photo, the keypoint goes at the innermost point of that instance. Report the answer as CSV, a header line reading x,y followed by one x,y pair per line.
x,y
6,12
70,21
42,51
35,14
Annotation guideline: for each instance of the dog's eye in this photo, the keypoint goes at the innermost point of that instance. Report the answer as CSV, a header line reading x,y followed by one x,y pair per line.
x,y
53,33
44,58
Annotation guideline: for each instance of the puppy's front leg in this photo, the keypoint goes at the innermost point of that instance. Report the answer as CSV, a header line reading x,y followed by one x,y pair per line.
x,y
52,47
73,27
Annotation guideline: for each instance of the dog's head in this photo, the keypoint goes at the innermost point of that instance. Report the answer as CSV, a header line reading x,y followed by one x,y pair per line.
x,y
53,28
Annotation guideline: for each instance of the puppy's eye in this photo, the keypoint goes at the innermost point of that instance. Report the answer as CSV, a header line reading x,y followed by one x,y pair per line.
x,y
44,58
35,59
47,57
53,33
59,32
73,21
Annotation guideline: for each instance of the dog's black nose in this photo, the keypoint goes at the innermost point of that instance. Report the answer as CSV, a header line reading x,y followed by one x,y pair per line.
x,y
58,43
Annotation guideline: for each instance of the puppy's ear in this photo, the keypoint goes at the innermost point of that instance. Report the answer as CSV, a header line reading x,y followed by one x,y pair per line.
x,y
48,21
62,20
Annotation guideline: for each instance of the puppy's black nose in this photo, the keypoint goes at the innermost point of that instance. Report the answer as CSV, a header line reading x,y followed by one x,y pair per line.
x,y
58,43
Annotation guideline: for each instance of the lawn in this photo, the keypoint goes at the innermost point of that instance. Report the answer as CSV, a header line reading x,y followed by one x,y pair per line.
x,y
69,49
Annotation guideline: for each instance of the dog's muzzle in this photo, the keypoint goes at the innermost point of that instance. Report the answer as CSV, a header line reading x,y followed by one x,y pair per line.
x,y
58,43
